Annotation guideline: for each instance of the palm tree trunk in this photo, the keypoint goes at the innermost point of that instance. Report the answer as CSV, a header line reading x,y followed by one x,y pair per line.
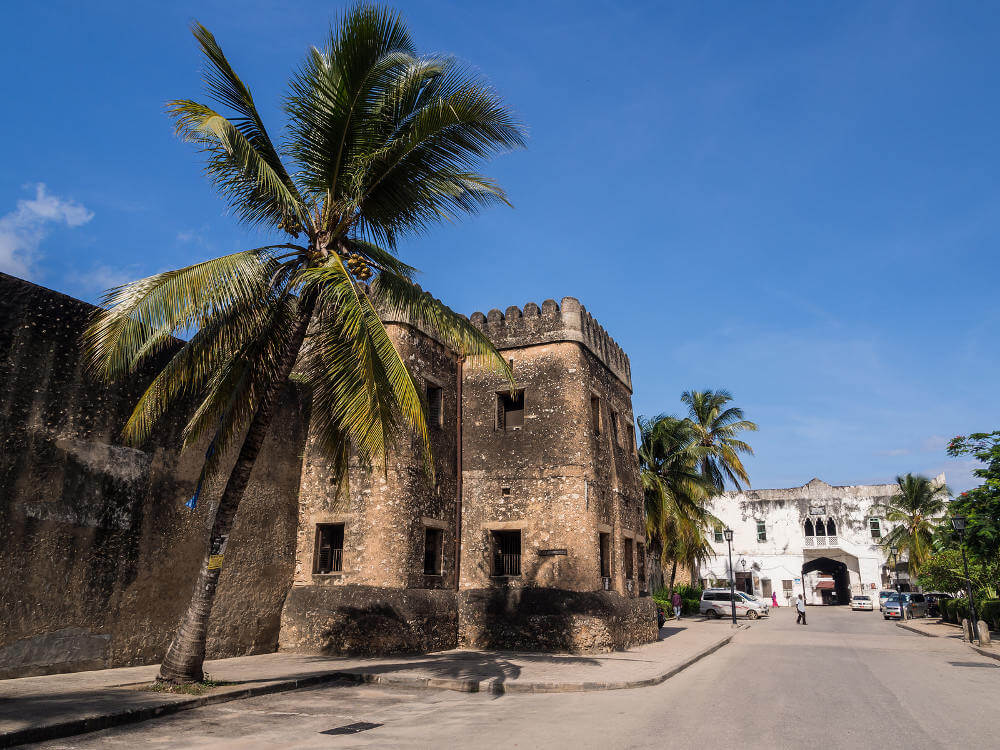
x,y
184,658
673,576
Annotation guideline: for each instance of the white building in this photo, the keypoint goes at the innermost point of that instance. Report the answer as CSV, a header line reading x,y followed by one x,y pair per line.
x,y
818,540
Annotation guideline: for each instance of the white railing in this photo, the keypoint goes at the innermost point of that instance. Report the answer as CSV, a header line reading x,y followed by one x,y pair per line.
x,y
822,541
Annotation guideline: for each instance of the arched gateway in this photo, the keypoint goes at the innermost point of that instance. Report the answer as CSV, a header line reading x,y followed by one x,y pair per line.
x,y
841,579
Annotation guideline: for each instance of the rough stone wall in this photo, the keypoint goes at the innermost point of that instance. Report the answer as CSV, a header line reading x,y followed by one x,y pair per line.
x,y
385,512
97,550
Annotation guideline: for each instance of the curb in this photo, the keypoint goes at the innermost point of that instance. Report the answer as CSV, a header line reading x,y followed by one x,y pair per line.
x,y
915,630
985,652
493,686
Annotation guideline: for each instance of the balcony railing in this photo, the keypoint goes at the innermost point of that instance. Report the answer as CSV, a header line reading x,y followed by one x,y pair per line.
x,y
330,560
822,541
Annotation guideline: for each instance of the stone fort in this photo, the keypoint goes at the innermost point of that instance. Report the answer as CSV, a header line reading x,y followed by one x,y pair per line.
x,y
529,534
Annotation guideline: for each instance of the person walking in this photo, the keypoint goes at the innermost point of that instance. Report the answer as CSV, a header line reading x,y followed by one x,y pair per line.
x,y
800,605
774,599
677,602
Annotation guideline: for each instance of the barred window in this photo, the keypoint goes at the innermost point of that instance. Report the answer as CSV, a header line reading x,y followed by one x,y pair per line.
x,y
435,416
510,410
329,554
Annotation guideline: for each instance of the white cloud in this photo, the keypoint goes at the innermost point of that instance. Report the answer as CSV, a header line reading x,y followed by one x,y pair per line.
x,y
100,278
23,229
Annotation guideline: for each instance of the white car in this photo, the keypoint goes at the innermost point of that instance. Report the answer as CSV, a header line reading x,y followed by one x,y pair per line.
x,y
716,603
861,603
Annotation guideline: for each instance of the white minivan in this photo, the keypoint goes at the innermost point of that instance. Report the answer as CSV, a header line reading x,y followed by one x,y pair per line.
x,y
716,603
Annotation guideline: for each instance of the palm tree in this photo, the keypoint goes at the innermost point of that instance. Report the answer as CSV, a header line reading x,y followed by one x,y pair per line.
x,y
916,509
381,143
717,426
675,491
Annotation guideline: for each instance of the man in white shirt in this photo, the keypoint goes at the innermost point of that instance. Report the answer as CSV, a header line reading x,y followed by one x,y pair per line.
x,y
800,606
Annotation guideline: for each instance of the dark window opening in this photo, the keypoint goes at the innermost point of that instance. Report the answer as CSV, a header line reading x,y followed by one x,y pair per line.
x,y
595,414
510,410
640,553
631,438
614,427
505,492
434,411
876,528
831,528
820,529
629,562
329,556
604,543
432,551
809,527
506,553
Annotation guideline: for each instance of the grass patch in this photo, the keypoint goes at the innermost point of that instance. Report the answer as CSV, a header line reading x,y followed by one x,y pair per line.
x,y
188,688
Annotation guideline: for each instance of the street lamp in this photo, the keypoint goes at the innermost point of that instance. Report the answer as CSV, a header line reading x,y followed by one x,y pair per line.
x,y
728,534
958,523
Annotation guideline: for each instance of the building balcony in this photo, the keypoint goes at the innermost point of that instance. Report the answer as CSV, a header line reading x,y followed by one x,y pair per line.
x,y
822,542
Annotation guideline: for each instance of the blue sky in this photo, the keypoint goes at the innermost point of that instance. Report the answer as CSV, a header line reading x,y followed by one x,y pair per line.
x,y
794,201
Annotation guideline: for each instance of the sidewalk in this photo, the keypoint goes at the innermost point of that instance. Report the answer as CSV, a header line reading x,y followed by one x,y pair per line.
x,y
940,629
33,709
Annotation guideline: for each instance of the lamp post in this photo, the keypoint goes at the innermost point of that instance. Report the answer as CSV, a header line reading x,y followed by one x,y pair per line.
x,y
728,533
958,523
743,564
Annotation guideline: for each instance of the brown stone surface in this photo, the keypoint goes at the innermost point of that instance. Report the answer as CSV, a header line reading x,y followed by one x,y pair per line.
x,y
97,549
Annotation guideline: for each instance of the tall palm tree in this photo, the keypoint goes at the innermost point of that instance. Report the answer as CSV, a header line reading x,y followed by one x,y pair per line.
x,y
381,143
917,509
675,491
717,426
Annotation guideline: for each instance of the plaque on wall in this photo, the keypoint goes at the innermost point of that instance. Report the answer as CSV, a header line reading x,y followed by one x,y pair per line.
x,y
552,552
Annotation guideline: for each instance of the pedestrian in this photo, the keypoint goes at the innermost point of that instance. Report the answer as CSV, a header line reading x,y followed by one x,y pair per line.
x,y
774,599
677,602
800,605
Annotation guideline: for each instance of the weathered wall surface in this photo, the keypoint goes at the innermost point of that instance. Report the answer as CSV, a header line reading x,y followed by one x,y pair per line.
x,y
368,620
536,619
97,550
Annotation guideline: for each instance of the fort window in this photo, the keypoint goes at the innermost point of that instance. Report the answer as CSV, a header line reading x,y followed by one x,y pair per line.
x,y
718,533
786,586
809,527
434,411
761,531
831,527
505,492
510,410
631,439
876,528
432,551
506,553
640,553
329,554
629,562
820,528
604,545
595,414
614,428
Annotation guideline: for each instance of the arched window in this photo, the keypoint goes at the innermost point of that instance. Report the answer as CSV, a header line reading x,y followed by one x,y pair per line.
x,y
820,531
831,528
809,527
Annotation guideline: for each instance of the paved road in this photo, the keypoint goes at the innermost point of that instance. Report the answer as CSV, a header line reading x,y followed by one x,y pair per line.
x,y
847,680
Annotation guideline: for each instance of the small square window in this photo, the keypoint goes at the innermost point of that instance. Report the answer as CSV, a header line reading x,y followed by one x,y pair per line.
x,y
329,553
505,492
435,415
432,551
510,410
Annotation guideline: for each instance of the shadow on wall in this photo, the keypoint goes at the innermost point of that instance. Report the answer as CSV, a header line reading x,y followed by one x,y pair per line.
x,y
554,620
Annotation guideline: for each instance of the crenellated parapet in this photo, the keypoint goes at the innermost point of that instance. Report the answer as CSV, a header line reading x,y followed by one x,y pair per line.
x,y
552,322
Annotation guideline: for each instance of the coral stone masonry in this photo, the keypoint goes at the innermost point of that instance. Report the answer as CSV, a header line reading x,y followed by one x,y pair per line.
x,y
527,533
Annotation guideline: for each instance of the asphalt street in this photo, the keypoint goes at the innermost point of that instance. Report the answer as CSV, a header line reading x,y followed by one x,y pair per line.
x,y
846,680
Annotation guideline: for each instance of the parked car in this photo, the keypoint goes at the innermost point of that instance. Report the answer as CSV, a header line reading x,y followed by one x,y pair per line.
x,y
765,604
934,602
905,606
882,597
861,603
716,603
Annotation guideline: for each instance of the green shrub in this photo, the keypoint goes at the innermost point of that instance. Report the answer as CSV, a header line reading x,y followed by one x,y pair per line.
x,y
989,612
690,599
948,610
690,606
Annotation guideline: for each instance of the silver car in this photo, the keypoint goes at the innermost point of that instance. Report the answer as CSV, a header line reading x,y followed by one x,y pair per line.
x,y
905,606
716,603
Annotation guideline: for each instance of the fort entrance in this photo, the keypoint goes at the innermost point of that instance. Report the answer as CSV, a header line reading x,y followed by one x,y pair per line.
x,y
835,591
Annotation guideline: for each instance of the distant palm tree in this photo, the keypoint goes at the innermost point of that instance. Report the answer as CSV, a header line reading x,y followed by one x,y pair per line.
x,y
381,144
675,491
717,426
917,510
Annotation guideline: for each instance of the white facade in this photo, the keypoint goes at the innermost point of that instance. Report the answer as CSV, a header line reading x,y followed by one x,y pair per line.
x,y
818,540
